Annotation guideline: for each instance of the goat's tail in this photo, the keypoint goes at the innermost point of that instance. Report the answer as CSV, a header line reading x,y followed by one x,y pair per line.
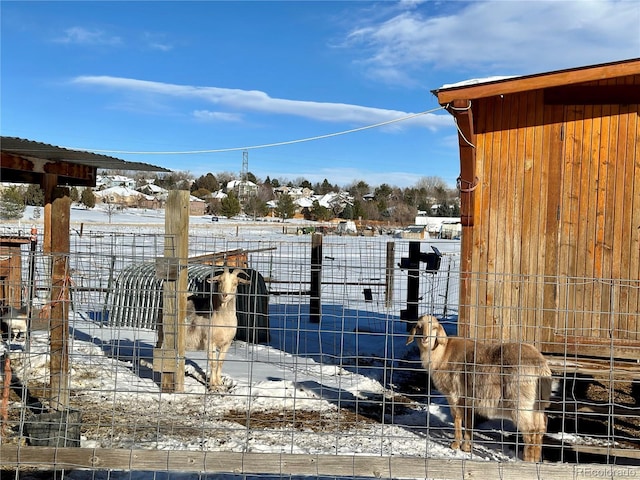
x,y
545,383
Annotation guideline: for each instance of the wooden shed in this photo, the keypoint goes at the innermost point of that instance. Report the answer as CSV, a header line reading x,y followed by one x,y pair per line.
x,y
550,200
11,280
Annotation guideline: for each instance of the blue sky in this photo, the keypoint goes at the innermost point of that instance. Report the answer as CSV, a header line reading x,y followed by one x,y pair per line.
x,y
157,81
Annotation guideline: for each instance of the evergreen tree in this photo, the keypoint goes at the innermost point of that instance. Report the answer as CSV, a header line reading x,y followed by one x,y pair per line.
x,y
304,183
74,194
207,182
230,206
347,213
34,195
326,187
286,208
358,211
320,213
256,207
252,178
12,205
87,198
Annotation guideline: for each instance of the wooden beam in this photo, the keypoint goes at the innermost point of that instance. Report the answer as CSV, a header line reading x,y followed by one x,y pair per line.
x,y
73,171
572,346
539,81
255,463
16,162
48,185
463,114
592,95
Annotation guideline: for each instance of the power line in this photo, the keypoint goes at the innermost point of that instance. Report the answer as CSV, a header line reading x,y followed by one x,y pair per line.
x,y
267,145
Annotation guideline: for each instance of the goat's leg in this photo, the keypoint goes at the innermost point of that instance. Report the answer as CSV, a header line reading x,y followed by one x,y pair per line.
x,y
527,453
456,413
215,380
533,439
468,428
532,433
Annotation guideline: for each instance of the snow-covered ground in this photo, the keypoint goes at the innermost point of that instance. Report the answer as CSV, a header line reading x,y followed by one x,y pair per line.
x,y
346,386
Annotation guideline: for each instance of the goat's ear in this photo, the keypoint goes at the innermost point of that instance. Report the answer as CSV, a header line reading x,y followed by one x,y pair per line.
x,y
439,337
412,334
244,278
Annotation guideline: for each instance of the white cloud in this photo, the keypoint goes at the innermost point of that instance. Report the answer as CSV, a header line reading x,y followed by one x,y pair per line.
x,y
85,36
261,102
523,36
207,115
156,41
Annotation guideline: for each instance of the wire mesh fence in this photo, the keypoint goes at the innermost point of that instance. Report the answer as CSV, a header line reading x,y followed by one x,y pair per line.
x,y
340,395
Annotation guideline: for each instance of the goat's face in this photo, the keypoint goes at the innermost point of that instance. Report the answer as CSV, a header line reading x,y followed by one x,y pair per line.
x,y
429,333
228,284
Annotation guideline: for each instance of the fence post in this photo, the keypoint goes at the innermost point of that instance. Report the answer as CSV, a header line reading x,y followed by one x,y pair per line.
x,y
388,279
412,264
170,359
59,311
446,291
316,278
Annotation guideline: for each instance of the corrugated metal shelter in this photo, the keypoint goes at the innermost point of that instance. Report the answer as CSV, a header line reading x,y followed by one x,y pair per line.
x,y
550,199
137,299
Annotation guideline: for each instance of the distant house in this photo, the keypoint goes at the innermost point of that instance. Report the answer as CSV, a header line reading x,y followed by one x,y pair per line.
x,y
109,181
242,188
414,232
155,196
197,206
122,196
152,189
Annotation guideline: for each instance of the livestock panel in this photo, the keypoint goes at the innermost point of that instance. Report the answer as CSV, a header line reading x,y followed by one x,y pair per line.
x,y
344,398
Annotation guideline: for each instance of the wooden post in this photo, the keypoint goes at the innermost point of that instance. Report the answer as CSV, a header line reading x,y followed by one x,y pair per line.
x,y
170,359
388,279
49,183
412,264
59,306
315,308
468,183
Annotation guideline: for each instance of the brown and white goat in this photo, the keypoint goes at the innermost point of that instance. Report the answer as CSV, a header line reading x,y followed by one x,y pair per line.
x,y
214,331
507,380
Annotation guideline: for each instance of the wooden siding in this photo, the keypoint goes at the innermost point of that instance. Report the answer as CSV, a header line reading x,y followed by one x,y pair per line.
x,y
555,243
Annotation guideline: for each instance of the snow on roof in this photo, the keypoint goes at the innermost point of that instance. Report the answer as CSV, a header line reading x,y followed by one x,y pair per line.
x,y
119,190
476,81
304,202
154,188
234,183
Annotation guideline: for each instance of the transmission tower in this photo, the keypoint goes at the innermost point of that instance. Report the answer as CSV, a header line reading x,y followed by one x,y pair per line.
x,y
242,187
245,166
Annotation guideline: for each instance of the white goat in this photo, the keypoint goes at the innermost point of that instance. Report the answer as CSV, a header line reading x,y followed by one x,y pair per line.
x,y
14,324
215,331
508,380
